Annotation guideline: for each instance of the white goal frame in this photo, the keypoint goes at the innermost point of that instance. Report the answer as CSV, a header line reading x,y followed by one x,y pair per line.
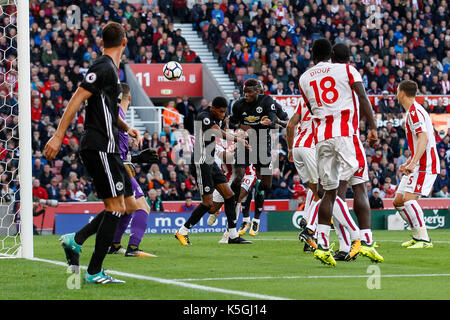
x,y
25,161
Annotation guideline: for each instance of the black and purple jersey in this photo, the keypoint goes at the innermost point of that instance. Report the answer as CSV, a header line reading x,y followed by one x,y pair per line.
x,y
123,138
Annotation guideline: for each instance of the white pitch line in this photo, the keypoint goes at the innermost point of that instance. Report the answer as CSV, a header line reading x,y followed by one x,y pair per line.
x,y
175,282
318,277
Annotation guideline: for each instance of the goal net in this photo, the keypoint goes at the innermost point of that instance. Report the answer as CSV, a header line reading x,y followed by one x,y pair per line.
x,y
13,233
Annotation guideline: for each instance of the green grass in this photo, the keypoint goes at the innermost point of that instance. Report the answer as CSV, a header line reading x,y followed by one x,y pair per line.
x,y
277,256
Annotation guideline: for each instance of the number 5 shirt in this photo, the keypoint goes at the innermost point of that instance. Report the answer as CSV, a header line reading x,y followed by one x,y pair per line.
x,y
327,88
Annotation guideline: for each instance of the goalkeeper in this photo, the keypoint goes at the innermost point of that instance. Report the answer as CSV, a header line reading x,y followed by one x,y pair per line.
x,y
137,205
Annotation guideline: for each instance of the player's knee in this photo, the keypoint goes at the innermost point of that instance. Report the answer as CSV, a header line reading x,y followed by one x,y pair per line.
x,y
207,203
398,201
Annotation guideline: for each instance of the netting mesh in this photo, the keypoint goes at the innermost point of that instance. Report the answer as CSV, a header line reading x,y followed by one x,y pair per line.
x,y
9,135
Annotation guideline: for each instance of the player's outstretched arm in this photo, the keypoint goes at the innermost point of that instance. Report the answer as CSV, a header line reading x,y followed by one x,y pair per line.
x,y
54,144
290,130
366,110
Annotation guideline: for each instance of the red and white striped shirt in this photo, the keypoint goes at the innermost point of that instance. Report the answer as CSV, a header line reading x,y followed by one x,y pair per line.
x,y
327,89
305,133
445,86
417,121
223,145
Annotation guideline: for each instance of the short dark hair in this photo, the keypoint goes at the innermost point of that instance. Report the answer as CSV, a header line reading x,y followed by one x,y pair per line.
x,y
321,50
220,102
125,89
340,53
409,87
252,83
112,35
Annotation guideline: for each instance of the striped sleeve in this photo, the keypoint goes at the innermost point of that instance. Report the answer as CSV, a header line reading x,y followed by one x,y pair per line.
x,y
417,121
353,74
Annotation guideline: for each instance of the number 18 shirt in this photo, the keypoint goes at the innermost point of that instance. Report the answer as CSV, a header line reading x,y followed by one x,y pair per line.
x,y
327,89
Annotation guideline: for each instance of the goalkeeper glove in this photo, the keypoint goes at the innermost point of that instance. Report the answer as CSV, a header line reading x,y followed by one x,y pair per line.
x,y
145,156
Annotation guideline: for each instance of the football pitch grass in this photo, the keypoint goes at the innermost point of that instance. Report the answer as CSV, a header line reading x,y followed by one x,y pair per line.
x,y
274,267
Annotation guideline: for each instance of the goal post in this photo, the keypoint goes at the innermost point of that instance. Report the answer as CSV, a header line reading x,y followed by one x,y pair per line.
x,y
16,190
25,149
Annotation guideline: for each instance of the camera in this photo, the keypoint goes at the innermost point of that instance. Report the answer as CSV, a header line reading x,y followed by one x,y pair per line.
x,y
50,203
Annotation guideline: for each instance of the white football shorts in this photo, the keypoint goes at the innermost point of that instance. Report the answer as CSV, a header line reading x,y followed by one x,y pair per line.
x,y
337,160
417,182
306,164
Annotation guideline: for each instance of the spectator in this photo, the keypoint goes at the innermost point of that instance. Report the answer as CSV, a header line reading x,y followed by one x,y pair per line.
x,y
282,191
443,193
171,115
375,201
154,201
188,206
38,191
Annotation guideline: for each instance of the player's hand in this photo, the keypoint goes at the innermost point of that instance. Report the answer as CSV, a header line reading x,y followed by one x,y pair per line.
x,y
290,156
402,168
409,168
372,137
52,148
265,121
241,134
132,132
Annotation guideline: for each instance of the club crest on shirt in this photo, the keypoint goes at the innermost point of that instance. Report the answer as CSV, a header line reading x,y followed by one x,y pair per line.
x,y
119,186
206,121
91,77
207,189
259,109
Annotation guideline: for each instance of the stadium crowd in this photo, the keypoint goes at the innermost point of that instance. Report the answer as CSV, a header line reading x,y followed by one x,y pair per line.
x,y
268,41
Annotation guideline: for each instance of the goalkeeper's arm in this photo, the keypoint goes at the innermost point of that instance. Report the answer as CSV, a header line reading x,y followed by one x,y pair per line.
x,y
145,156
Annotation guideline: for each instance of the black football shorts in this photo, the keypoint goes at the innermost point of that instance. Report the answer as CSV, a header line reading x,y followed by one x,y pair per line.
x,y
207,177
108,173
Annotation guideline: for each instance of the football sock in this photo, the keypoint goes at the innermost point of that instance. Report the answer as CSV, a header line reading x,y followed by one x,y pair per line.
x,y
344,237
105,235
366,236
230,212
89,229
196,215
256,220
308,204
323,235
138,226
314,217
259,202
246,219
232,233
237,211
123,224
183,230
342,215
409,220
246,205
236,188
415,213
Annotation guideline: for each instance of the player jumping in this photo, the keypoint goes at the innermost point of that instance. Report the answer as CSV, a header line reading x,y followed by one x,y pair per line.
x,y
209,126
256,112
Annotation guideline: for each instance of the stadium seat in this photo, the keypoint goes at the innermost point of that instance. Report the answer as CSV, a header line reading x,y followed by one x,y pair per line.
x,y
240,73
